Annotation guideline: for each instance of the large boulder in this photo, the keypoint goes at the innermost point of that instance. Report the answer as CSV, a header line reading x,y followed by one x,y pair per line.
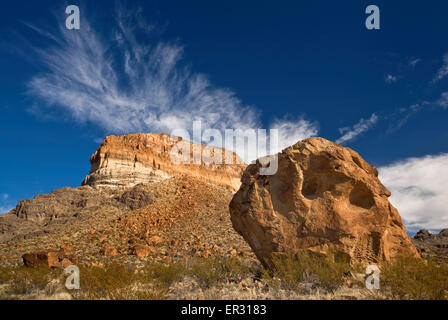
x,y
323,197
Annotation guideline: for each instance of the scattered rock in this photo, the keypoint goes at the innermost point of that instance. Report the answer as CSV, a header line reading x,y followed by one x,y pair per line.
x,y
110,251
96,264
142,251
323,197
136,198
68,248
155,240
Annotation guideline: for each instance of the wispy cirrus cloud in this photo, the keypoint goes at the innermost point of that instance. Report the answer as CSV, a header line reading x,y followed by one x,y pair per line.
x,y
127,82
350,133
390,79
443,101
401,116
414,61
418,187
124,86
443,71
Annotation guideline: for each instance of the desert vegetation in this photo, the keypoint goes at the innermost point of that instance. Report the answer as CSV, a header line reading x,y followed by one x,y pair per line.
x,y
304,276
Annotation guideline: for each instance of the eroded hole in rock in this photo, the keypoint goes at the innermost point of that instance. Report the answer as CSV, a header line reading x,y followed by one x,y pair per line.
x,y
361,196
309,186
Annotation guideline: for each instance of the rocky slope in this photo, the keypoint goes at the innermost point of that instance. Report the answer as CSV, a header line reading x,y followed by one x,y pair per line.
x,y
134,196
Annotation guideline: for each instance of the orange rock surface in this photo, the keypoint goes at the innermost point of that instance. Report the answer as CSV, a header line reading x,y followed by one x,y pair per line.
x,y
323,197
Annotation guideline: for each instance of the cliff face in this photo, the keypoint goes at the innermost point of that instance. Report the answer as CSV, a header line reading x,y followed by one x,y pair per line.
x,y
125,161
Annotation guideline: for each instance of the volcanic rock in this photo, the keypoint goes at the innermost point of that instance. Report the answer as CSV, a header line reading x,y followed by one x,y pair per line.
x,y
323,197
52,259
128,160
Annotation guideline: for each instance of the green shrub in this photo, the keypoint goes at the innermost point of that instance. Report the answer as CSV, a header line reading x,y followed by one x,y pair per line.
x,y
289,272
23,280
410,278
210,271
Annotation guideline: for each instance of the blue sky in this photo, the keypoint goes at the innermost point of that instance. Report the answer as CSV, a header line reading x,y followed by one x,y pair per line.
x,y
311,68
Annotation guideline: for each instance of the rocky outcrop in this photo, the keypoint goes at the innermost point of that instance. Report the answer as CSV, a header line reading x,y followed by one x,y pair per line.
x,y
124,161
423,234
432,246
63,204
323,197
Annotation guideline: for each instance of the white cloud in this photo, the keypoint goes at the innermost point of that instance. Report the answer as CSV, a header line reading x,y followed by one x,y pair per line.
x,y
443,71
413,62
390,78
291,131
123,85
419,192
350,133
443,101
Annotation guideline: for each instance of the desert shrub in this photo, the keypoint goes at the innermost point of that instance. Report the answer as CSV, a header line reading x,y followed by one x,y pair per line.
x,y
109,282
23,280
6,273
210,271
120,282
165,274
290,271
410,278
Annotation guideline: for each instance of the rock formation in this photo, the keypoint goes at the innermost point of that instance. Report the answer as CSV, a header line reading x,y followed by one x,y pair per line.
x,y
323,197
432,246
123,161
